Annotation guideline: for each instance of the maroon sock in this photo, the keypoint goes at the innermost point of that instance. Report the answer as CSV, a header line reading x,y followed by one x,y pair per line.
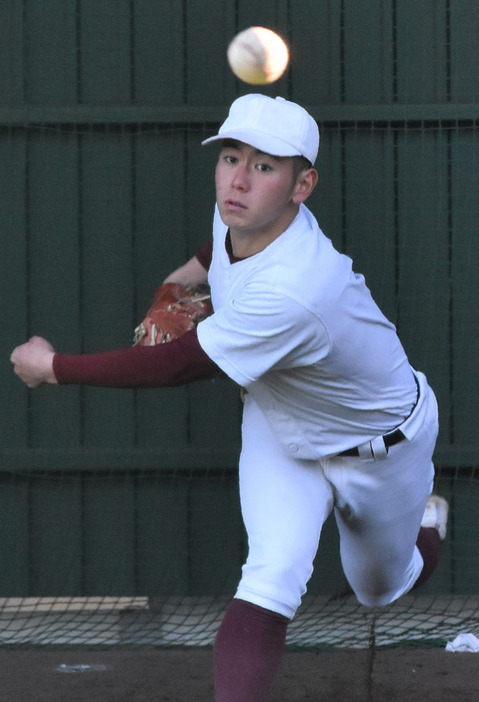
x,y
430,548
247,652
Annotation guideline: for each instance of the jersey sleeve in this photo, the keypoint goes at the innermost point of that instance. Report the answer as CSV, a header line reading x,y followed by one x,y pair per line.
x,y
178,362
205,254
260,331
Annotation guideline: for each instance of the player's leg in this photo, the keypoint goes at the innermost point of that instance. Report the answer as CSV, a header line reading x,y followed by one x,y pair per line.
x,y
379,509
248,650
285,503
431,536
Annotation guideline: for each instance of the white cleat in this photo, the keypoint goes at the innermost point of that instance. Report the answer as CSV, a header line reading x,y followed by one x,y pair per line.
x,y
435,515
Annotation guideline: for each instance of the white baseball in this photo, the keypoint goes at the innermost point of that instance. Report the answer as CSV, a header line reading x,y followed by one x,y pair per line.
x,y
258,56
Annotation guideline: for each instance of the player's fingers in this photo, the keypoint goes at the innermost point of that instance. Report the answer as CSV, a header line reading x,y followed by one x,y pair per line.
x,y
32,361
19,352
31,379
24,375
15,354
35,342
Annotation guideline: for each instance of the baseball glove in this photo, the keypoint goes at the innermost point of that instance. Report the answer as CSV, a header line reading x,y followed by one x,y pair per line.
x,y
175,310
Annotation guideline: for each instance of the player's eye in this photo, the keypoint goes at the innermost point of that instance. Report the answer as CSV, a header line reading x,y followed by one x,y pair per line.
x,y
264,167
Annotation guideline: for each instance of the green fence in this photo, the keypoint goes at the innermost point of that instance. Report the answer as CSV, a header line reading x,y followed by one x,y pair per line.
x,y
105,189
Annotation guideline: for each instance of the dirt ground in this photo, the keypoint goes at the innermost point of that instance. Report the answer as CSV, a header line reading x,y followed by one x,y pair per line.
x,y
185,675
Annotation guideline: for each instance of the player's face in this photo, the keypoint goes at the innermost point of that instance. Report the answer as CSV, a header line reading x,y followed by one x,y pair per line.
x,y
255,192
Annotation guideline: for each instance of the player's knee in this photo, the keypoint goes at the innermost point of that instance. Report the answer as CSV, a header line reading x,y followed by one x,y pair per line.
x,y
376,599
277,586
378,593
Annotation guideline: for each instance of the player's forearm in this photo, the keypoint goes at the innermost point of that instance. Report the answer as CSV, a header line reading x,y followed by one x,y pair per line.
x,y
191,273
176,363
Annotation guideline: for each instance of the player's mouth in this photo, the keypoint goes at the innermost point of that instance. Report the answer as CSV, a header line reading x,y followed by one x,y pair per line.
x,y
234,205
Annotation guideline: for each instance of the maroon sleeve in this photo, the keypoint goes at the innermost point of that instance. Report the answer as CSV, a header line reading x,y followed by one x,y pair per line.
x,y
205,254
178,362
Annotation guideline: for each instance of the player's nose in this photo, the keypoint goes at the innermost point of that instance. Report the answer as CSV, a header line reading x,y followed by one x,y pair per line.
x,y
241,178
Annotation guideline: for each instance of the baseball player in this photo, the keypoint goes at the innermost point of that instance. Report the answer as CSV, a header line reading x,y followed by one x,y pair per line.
x,y
335,418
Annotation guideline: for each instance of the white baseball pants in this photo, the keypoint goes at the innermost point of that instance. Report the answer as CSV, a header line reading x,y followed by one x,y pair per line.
x,y
378,506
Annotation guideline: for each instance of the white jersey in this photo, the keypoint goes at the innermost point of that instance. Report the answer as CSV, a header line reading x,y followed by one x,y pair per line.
x,y
299,330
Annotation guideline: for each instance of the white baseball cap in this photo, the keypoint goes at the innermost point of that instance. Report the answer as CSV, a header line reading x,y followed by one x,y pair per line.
x,y
273,125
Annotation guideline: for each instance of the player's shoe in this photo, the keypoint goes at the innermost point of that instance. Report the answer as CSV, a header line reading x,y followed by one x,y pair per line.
x,y
435,515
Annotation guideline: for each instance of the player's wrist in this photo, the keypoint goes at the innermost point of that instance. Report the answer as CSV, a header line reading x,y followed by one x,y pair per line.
x,y
49,371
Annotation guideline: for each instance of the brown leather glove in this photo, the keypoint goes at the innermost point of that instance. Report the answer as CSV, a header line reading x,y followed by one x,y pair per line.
x,y
175,310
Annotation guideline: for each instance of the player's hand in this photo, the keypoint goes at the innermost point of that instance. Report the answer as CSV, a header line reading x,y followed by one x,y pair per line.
x,y
33,362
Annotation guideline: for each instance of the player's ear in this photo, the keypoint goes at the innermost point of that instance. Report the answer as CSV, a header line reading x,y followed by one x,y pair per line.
x,y
304,186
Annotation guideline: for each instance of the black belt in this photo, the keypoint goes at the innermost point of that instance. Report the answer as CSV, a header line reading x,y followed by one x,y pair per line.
x,y
395,437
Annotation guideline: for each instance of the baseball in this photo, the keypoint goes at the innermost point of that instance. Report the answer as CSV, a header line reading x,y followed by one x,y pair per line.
x,y
258,56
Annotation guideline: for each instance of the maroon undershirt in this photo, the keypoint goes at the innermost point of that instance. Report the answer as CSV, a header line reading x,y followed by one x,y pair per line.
x,y
178,362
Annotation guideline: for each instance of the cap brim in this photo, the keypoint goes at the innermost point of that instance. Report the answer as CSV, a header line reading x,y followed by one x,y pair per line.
x,y
261,141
